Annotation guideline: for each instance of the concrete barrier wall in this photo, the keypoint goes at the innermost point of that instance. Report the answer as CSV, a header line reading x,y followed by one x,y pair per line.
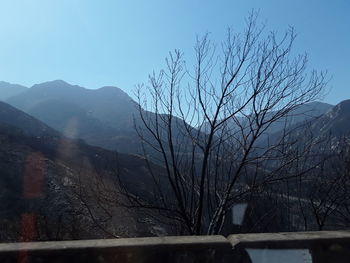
x,y
327,246
323,246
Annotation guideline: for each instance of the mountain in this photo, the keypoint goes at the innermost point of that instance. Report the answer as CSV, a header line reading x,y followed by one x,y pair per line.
x,y
301,113
64,184
335,122
331,127
82,185
109,104
8,90
27,124
102,117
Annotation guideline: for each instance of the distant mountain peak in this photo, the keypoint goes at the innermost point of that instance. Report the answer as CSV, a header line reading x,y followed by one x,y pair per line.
x,y
109,88
112,90
319,103
345,104
58,82
342,108
55,84
3,83
8,90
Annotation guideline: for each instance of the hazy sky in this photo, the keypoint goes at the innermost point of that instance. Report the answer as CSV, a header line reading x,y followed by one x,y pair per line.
x,y
113,42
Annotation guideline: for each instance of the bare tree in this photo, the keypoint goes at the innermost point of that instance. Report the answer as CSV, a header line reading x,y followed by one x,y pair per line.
x,y
327,192
208,125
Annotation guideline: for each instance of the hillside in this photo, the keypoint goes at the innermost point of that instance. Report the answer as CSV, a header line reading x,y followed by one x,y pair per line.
x,y
326,133
302,113
102,117
64,184
27,124
82,185
8,90
335,122
108,104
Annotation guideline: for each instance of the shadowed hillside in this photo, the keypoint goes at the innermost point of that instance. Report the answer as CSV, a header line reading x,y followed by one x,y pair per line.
x,y
51,181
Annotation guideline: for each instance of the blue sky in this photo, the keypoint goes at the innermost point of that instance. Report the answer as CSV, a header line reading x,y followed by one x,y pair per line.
x,y
113,42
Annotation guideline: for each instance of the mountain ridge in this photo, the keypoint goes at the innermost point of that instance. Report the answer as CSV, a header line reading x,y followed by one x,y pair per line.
x,y
106,117
8,90
103,117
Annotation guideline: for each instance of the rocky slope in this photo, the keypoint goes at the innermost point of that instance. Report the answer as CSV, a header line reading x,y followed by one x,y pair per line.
x,y
58,188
